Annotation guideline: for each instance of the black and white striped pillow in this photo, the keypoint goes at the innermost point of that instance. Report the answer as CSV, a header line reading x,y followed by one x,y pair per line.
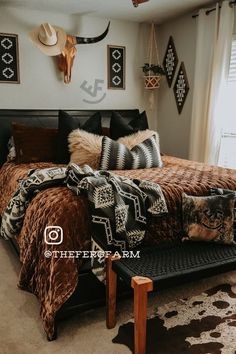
x,y
116,156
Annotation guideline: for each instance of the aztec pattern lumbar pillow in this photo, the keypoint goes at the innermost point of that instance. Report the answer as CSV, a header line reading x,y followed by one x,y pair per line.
x,y
85,148
121,126
208,218
116,156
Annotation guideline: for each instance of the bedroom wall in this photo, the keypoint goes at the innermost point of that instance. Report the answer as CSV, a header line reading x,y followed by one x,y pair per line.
x,y
42,85
174,128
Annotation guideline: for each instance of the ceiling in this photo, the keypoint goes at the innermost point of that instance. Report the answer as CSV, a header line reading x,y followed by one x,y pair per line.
x,y
154,10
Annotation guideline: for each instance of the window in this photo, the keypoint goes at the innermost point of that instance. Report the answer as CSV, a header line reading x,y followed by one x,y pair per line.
x,y
227,156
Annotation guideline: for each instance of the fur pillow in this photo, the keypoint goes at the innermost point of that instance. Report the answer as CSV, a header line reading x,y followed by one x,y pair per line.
x,y
85,148
134,139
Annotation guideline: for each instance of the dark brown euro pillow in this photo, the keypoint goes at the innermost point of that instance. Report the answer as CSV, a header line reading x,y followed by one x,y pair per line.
x,y
34,144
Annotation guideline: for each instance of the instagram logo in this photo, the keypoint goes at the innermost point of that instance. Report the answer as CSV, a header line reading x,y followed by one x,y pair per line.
x,y
53,235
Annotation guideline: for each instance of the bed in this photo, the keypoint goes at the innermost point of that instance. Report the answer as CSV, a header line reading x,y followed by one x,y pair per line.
x,y
57,282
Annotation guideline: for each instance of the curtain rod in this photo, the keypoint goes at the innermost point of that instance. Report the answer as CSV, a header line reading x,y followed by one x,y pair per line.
x,y
214,8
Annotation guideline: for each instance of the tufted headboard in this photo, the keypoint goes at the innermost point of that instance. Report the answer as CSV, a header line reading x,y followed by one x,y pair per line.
x,y
45,118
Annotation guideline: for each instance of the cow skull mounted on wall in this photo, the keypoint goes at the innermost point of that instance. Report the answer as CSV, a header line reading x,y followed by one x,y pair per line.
x,y
54,41
66,58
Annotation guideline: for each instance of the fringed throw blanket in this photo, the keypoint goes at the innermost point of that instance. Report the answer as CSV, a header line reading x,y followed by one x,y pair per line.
x,y
118,205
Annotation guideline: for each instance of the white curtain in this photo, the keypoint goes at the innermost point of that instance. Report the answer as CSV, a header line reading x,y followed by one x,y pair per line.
x,y
214,39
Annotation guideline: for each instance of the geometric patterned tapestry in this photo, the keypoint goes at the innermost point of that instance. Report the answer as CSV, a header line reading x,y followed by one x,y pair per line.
x,y
181,87
116,67
9,61
170,61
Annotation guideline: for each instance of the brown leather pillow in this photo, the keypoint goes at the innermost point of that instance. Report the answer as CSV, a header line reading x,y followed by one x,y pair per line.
x,y
34,144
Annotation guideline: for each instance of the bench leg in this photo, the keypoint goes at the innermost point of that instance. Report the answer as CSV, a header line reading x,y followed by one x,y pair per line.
x,y
141,286
111,285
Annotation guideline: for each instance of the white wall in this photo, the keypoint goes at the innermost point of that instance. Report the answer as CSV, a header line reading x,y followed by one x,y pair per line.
x,y
42,85
174,128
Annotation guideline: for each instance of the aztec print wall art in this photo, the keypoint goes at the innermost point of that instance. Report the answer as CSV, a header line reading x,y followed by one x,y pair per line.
x,y
9,58
116,67
170,61
181,87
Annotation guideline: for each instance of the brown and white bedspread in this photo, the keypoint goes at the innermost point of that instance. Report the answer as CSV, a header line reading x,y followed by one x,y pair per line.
x,y
53,280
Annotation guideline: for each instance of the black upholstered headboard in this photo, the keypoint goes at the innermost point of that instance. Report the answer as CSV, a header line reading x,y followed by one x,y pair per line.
x,y
43,118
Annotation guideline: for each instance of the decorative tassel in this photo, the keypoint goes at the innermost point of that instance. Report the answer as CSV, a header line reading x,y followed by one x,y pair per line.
x,y
151,99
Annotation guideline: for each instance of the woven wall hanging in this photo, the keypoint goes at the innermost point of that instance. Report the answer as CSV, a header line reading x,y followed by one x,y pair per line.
x,y
170,61
181,87
116,67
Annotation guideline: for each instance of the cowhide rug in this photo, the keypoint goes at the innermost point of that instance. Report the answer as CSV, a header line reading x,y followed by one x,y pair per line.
x,y
202,324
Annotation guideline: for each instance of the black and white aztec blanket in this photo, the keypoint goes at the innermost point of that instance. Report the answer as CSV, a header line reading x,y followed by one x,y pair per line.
x,y
118,206
37,180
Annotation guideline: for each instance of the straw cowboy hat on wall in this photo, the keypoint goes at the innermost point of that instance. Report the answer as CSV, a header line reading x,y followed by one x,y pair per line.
x,y
51,40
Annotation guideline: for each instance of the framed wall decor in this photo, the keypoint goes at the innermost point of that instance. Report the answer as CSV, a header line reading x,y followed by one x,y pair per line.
x,y
9,58
116,67
170,61
181,87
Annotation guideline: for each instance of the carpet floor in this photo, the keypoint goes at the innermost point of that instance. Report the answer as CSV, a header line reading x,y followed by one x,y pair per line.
x,y
21,329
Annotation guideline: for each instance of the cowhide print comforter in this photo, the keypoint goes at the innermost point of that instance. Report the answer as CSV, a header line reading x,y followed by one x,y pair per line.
x,y
53,280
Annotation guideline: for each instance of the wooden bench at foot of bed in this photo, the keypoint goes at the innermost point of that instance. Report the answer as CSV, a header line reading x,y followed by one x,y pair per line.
x,y
162,267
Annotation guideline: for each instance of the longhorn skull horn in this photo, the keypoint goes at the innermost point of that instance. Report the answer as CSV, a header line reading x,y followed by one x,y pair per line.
x,y
85,40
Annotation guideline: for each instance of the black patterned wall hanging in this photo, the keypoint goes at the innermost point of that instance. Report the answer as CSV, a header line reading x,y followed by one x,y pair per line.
x,y
170,61
116,67
9,61
181,87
